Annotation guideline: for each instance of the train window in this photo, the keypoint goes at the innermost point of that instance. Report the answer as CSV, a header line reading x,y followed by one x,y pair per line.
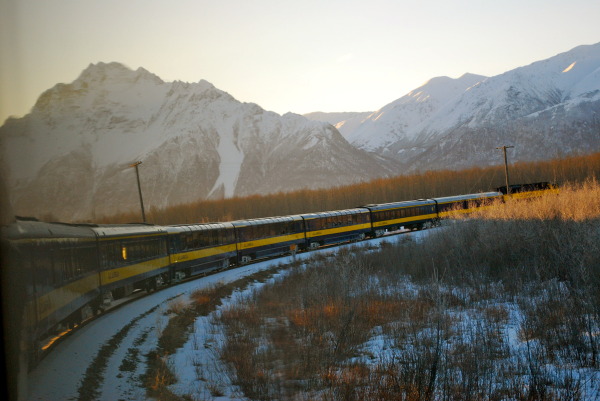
x,y
248,233
244,233
320,223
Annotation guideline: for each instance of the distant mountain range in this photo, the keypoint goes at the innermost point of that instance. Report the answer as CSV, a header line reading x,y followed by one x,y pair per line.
x,y
547,109
70,156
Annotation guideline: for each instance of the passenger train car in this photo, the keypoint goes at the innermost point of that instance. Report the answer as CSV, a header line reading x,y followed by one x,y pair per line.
x,y
70,271
267,237
452,205
326,228
409,214
130,256
198,248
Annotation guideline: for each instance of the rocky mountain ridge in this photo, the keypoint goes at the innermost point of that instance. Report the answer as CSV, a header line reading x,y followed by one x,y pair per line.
x,y
547,109
70,156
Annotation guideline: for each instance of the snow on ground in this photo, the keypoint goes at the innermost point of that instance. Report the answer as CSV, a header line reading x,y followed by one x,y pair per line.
x,y
199,371
59,375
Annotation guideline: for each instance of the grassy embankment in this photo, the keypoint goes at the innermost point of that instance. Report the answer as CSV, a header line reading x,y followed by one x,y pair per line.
x,y
502,305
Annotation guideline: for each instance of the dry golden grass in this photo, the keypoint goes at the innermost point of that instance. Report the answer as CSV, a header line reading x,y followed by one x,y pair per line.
x,y
573,202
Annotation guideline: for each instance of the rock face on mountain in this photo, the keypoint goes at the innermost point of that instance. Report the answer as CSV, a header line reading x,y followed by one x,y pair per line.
x,y
547,109
71,156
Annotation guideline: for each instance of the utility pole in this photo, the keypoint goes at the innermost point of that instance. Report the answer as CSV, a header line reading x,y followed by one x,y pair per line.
x,y
506,166
137,174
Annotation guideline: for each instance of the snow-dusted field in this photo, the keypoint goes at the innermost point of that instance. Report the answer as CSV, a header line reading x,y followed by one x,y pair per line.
x,y
125,336
60,375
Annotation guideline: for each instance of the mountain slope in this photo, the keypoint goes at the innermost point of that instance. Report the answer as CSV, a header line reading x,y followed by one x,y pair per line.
x,y
547,109
70,156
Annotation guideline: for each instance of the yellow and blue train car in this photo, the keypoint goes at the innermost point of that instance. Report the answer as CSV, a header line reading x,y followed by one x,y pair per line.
x,y
57,277
449,206
325,228
198,248
409,214
132,256
267,237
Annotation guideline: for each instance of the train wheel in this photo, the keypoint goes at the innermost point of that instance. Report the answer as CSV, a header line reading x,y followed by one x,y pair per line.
x,y
151,285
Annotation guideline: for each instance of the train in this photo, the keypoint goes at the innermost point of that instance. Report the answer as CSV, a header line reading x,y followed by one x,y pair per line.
x,y
62,274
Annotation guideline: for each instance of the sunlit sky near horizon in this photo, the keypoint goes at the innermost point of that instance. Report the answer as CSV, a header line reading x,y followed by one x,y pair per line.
x,y
299,56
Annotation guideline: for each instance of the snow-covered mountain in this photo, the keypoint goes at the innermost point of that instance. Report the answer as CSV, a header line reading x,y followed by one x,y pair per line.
x,y
345,122
546,109
399,121
70,156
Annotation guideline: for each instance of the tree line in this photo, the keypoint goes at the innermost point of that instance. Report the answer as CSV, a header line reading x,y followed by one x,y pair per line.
x,y
402,187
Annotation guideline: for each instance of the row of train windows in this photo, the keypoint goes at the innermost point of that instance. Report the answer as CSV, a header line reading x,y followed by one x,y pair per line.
x,y
119,253
445,207
402,213
252,232
51,267
202,239
324,223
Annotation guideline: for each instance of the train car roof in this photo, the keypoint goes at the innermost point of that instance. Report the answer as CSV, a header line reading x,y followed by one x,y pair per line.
x,y
399,205
33,229
125,230
334,213
456,198
265,220
180,228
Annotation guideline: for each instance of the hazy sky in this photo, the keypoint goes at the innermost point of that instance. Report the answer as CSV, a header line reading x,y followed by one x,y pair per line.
x,y
300,55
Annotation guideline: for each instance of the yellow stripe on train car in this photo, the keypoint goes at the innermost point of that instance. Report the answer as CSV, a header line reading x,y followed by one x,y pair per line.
x,y
125,272
404,220
337,230
270,241
531,194
457,211
58,298
202,253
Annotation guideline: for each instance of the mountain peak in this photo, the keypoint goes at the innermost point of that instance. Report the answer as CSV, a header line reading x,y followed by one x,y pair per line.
x,y
114,71
467,76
